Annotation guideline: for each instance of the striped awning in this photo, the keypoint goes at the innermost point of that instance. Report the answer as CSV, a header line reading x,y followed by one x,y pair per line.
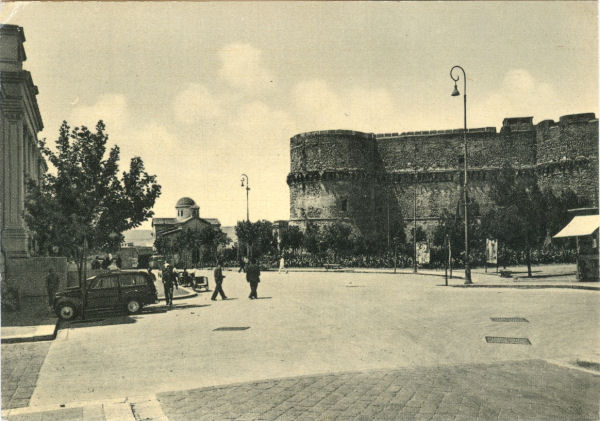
x,y
579,226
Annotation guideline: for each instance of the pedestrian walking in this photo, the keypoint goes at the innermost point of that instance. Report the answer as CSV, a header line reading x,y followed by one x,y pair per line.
x,y
281,264
185,277
253,277
243,262
218,273
169,280
52,282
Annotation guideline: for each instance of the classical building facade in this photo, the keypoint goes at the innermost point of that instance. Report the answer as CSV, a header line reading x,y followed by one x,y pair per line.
x,y
368,179
20,160
19,153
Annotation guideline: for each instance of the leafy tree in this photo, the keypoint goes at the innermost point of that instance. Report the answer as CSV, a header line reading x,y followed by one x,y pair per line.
x,y
193,246
451,226
556,206
84,205
313,240
257,236
518,216
291,238
338,238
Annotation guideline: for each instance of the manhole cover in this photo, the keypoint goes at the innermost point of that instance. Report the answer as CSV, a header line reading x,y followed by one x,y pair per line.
x,y
509,319
506,340
229,328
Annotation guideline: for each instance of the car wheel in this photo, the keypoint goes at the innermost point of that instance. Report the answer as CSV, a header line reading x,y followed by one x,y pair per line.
x,y
133,306
66,311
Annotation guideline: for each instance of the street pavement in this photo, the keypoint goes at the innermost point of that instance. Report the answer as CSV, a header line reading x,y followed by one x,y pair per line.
x,y
320,325
21,364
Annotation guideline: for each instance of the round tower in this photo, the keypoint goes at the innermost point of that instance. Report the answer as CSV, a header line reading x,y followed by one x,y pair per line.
x,y
333,178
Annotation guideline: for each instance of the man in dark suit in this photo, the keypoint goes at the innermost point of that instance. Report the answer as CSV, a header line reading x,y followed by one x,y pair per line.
x,y
218,273
253,277
169,280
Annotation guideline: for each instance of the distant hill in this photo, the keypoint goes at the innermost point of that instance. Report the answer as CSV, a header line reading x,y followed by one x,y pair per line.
x,y
139,237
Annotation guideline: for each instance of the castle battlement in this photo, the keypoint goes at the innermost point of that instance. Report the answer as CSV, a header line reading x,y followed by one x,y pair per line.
x,y
351,175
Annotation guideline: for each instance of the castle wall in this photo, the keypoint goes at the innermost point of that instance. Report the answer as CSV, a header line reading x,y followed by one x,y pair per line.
x,y
333,150
568,155
377,174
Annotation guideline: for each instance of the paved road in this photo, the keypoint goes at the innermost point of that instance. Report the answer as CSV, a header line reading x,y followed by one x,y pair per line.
x,y
311,324
530,389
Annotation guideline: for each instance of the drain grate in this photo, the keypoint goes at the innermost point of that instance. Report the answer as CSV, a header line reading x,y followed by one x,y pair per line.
x,y
507,340
230,328
509,319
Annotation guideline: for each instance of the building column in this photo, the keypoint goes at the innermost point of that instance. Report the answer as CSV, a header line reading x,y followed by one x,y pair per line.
x,y
14,236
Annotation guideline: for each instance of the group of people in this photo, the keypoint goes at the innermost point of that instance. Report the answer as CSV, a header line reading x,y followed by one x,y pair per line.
x,y
171,280
252,277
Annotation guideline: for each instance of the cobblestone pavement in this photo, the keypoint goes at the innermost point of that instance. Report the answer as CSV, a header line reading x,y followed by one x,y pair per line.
x,y
21,364
530,389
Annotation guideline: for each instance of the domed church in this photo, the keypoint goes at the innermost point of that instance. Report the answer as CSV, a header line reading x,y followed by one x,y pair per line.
x,y
188,217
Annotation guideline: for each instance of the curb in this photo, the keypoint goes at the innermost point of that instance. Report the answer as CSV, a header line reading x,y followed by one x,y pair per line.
x,y
33,338
583,287
181,297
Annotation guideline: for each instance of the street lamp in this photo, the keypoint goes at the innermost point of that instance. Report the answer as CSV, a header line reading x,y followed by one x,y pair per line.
x,y
415,209
245,179
455,92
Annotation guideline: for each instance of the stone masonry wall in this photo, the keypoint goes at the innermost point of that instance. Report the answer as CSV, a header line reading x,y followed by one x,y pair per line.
x,y
28,275
377,174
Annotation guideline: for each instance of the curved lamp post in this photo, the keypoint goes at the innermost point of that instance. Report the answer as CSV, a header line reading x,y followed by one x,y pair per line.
x,y
455,92
245,179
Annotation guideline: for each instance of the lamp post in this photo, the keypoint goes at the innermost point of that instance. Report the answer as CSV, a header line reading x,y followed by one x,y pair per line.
x,y
415,210
455,92
245,179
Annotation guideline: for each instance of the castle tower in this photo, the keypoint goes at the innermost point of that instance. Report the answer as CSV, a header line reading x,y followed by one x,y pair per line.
x,y
333,178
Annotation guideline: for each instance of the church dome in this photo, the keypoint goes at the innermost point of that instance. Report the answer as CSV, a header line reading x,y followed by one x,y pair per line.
x,y
185,202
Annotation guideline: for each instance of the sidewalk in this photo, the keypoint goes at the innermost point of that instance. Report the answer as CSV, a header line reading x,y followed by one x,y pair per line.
x,y
33,322
543,276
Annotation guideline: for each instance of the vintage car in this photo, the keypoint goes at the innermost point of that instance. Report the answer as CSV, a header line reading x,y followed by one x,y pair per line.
x,y
115,290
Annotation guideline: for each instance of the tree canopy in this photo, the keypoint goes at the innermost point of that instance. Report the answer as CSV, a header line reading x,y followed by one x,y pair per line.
x,y
518,215
84,201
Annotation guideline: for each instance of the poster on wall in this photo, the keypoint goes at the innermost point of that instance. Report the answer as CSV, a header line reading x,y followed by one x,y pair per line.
x,y
423,253
491,251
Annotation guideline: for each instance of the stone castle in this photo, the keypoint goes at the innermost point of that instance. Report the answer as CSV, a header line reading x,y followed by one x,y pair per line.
x,y
368,179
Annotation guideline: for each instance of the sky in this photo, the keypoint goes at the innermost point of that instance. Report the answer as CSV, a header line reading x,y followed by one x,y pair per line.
x,y
206,91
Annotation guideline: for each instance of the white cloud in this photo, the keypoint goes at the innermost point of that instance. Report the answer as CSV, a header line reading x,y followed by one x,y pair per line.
x,y
242,67
319,107
196,103
519,95
111,108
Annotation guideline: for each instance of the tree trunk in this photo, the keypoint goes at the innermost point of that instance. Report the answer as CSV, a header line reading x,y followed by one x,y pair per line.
x,y
528,259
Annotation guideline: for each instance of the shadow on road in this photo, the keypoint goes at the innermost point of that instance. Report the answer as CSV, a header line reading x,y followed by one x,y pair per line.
x,y
96,320
165,309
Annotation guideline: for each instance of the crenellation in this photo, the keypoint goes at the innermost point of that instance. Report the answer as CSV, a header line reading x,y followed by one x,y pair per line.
x,y
332,166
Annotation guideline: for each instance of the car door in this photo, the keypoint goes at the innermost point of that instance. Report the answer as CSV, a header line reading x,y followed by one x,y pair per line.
x,y
134,285
103,293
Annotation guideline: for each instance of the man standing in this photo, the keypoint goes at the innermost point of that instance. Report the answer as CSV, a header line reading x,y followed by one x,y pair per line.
x,y
52,283
218,273
169,280
253,277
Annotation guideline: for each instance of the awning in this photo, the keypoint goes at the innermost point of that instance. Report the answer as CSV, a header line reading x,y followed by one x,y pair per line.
x,y
579,227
